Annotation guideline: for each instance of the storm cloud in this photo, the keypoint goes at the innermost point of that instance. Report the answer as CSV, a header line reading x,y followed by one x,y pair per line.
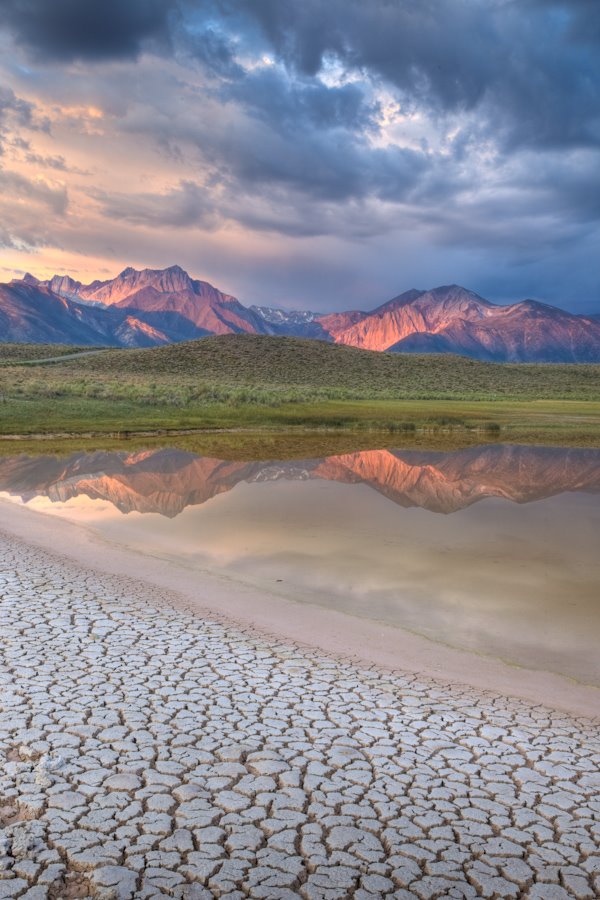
x,y
64,30
382,141
531,67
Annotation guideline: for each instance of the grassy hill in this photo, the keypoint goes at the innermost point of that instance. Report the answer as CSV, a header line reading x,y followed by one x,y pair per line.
x,y
17,353
254,381
280,363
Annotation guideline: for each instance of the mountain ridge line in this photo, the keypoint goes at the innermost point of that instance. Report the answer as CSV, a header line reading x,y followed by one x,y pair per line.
x,y
153,307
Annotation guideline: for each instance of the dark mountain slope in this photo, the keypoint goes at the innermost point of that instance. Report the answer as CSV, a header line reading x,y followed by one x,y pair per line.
x,y
33,313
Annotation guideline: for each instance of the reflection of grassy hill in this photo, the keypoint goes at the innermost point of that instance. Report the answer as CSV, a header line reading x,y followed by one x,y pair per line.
x,y
253,381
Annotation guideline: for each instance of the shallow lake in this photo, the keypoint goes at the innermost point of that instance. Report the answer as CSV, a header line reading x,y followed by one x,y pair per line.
x,y
494,549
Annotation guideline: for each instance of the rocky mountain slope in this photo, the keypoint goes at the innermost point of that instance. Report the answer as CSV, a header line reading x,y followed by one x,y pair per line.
x,y
33,313
451,319
154,306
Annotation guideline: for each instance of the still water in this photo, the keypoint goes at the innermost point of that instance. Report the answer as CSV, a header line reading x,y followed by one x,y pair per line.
x,y
493,549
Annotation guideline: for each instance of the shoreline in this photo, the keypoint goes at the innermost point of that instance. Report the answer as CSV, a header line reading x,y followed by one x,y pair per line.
x,y
482,434
270,614
149,752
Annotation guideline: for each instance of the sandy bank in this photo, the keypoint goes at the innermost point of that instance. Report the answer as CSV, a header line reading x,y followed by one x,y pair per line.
x,y
361,640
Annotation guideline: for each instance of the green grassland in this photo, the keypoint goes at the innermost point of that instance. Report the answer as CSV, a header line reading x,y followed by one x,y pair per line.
x,y
249,382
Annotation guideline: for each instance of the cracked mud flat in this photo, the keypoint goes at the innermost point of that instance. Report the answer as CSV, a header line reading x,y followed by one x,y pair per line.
x,y
148,752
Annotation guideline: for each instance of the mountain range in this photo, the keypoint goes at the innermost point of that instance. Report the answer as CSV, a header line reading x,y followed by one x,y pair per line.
x,y
159,306
166,481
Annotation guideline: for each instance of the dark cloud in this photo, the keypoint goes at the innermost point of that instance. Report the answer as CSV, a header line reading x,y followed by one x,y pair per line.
x,y
54,199
445,132
531,67
411,44
294,104
266,135
58,162
268,186
187,206
16,113
65,30
51,162
213,48
10,104
30,211
318,166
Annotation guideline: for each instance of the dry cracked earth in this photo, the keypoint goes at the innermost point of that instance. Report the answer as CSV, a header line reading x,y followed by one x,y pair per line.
x,y
147,752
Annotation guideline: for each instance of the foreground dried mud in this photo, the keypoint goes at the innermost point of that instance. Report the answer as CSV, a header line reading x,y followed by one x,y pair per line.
x,y
147,752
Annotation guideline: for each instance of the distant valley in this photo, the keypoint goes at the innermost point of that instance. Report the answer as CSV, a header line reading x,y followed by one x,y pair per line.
x,y
151,307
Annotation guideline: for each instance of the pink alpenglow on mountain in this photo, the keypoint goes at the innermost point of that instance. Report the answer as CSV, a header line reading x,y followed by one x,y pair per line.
x,y
158,306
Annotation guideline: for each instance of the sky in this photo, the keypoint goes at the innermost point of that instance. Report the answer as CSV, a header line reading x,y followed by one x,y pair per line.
x,y
307,154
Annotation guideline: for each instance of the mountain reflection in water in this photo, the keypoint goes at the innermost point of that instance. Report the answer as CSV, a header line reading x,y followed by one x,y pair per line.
x,y
166,481
513,572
